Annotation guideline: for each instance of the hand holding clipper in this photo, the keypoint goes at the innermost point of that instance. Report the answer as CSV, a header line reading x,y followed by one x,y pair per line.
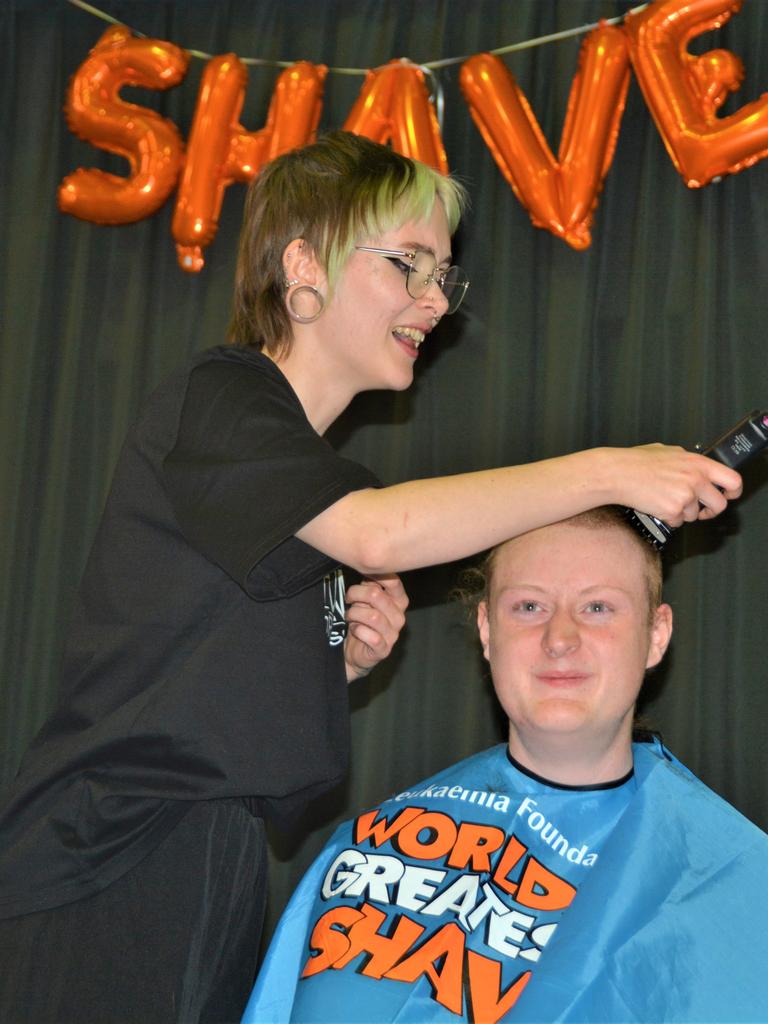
x,y
738,444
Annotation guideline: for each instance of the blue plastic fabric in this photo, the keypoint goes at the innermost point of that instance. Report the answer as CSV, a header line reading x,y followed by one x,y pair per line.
x,y
642,902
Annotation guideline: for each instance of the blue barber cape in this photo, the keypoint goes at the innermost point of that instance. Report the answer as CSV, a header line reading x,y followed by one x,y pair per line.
x,y
486,894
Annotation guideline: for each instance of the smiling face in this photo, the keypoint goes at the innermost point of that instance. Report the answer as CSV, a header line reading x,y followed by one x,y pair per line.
x,y
372,328
569,635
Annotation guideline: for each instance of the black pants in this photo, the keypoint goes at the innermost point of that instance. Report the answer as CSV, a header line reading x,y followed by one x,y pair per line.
x,y
174,941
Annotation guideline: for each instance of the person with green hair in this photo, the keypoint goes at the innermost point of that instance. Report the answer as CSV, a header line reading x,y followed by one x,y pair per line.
x,y
204,681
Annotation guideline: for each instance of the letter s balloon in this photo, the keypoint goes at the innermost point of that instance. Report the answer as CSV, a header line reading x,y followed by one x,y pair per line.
x,y
151,143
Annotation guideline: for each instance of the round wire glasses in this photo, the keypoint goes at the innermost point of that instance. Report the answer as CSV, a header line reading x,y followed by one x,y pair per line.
x,y
421,269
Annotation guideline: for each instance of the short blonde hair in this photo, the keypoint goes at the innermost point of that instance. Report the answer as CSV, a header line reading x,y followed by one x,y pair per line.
x,y
475,584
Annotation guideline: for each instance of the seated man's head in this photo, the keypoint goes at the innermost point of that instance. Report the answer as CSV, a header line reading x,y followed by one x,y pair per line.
x,y
570,620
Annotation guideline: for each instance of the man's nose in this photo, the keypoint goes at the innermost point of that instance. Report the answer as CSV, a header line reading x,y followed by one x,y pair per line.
x,y
561,635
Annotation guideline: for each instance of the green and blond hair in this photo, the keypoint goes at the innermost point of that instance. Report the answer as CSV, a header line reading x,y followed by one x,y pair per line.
x,y
333,194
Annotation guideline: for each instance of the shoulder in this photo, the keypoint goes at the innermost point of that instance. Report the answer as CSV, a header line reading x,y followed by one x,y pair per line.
x,y
703,809
226,364
207,374
232,388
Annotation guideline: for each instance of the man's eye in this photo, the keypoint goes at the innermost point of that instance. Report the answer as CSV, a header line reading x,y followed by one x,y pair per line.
x,y
527,606
597,607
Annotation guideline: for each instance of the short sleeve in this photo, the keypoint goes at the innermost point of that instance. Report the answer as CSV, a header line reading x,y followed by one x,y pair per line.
x,y
248,470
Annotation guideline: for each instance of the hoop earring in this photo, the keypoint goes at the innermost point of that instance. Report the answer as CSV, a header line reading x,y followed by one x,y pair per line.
x,y
295,314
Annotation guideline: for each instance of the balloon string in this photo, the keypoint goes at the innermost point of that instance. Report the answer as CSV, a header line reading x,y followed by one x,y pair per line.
x,y
428,66
103,15
528,44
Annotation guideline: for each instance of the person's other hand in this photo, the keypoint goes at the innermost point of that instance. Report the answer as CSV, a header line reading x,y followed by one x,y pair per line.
x,y
375,615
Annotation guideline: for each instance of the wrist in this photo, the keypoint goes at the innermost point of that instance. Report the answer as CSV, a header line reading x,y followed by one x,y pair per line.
x,y
595,477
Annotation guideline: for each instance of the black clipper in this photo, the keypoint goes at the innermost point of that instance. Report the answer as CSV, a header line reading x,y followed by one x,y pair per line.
x,y
734,447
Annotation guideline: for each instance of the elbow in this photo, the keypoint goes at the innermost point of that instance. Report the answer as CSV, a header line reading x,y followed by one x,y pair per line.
x,y
374,553
358,532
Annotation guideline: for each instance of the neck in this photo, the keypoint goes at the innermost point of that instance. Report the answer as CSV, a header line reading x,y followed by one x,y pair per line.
x,y
323,394
573,760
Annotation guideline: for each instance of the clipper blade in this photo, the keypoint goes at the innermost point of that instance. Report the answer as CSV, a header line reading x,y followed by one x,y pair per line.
x,y
651,529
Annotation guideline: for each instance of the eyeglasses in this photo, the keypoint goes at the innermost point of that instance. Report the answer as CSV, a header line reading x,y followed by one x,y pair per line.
x,y
421,269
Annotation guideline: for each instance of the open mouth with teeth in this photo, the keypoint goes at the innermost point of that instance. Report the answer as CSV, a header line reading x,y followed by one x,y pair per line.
x,y
409,338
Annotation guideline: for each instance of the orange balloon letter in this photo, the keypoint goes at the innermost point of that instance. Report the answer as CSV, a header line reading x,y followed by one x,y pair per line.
x,y
221,151
684,92
150,143
394,105
560,195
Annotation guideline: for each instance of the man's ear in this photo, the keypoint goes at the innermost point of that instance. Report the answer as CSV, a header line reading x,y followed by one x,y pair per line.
x,y
301,264
483,628
661,634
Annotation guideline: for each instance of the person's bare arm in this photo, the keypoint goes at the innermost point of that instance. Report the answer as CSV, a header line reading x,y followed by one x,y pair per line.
x,y
427,522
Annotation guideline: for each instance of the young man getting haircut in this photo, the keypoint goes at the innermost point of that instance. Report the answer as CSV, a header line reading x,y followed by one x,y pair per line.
x,y
571,874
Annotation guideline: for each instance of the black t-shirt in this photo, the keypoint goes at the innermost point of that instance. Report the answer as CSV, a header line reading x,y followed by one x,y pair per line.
x,y
202,662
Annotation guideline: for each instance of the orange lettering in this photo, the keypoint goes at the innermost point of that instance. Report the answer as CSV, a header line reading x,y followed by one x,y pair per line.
x,y
488,1002
448,942
561,194
513,851
221,151
442,836
541,889
684,92
475,844
440,959
328,940
150,143
393,105
384,951
367,826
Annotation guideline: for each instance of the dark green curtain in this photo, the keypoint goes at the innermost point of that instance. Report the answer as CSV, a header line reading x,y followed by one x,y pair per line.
x,y
656,332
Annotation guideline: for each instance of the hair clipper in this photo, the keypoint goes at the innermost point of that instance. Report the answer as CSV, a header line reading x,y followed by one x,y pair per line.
x,y
738,444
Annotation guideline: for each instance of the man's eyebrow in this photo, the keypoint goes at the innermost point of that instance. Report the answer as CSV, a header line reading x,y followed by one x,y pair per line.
x,y
507,587
606,586
522,586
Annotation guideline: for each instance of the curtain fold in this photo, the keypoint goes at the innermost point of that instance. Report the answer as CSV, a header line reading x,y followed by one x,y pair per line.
x,y
656,332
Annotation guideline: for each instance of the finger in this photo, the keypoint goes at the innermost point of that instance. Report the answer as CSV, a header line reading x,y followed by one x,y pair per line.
x,y
359,593
391,584
691,511
721,476
386,625
366,591
726,480
371,647
363,596
372,595
711,500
